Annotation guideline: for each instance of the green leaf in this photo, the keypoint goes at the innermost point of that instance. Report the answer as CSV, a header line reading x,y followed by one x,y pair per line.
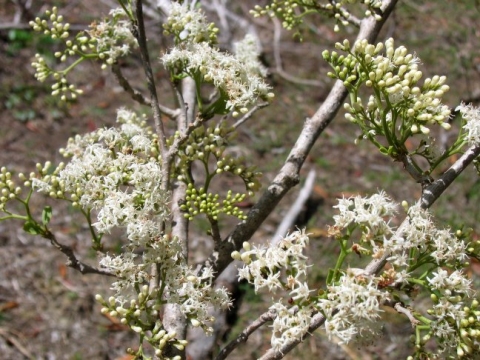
x,y
46,215
32,228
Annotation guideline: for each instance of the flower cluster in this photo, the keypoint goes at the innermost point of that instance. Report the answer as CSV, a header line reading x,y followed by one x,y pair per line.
x,y
238,87
189,26
202,145
398,107
238,79
181,284
247,52
291,12
264,268
421,234
370,213
107,41
417,243
352,306
112,38
471,115
115,172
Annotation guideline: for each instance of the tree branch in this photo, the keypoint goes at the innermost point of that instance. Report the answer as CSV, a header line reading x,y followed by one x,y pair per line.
x,y
290,172
243,337
139,33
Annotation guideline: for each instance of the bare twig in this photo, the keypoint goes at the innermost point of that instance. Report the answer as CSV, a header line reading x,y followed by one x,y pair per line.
x,y
12,339
139,33
243,337
249,114
137,96
72,261
289,219
173,318
402,310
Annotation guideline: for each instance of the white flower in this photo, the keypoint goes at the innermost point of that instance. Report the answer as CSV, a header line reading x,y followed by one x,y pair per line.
x,y
351,306
113,36
471,115
289,324
227,73
369,211
189,25
455,282
247,52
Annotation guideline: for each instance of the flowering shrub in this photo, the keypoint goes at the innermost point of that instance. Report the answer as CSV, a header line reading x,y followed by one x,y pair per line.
x,y
140,179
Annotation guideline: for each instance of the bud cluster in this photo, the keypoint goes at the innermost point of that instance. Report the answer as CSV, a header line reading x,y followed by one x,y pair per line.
x,y
142,316
9,190
399,106
208,146
291,12
107,41
199,202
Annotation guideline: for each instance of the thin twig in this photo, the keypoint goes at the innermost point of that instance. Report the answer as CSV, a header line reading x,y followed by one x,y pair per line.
x,y
243,337
139,33
136,95
402,310
72,261
249,114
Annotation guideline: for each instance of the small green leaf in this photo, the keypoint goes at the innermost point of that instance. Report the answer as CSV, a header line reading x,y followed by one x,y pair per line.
x,y
32,228
46,215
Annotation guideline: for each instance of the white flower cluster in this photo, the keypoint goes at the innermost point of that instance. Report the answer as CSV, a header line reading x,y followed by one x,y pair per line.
x,y
420,233
182,285
263,268
247,52
238,78
368,212
114,172
113,37
263,265
290,323
189,26
471,115
352,306
415,243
